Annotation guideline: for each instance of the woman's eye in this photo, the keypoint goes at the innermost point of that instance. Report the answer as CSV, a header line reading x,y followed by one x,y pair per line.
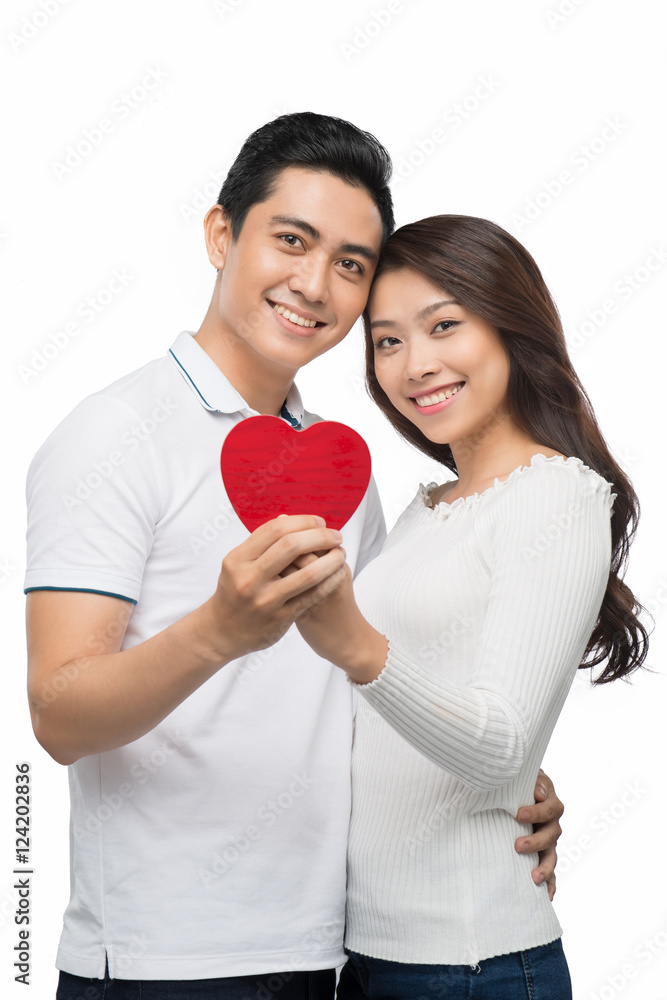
x,y
444,326
290,239
385,342
352,266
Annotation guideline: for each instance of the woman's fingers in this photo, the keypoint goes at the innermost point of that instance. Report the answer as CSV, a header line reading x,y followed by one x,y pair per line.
x,y
288,547
298,590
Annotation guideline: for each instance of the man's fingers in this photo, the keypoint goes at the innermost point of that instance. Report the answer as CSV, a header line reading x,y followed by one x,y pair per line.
x,y
542,812
545,872
267,534
543,839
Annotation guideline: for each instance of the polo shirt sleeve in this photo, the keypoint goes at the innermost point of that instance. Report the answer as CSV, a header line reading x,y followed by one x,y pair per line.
x,y
374,530
93,502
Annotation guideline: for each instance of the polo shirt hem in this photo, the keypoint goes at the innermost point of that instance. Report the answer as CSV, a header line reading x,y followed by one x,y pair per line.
x,y
50,579
170,967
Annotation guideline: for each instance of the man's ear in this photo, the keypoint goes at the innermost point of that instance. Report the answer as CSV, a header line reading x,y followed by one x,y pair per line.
x,y
218,235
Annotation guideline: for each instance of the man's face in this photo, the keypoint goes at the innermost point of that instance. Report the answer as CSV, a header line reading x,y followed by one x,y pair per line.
x,y
299,274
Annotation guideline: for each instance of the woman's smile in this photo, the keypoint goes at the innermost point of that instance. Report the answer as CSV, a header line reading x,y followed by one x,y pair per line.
x,y
436,400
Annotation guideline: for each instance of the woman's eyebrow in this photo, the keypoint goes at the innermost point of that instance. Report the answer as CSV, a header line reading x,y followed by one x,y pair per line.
x,y
422,314
434,308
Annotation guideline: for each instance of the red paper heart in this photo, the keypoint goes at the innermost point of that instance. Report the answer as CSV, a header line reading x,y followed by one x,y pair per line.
x,y
269,468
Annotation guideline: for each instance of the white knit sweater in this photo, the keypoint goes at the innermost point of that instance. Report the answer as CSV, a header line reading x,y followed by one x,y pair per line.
x,y
488,604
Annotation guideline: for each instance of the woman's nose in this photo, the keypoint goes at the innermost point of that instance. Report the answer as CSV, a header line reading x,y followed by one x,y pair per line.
x,y
421,361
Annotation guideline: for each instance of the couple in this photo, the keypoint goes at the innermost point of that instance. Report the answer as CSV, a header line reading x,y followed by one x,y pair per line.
x,y
209,740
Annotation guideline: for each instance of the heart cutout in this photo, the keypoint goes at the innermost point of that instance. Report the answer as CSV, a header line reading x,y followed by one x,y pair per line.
x,y
269,468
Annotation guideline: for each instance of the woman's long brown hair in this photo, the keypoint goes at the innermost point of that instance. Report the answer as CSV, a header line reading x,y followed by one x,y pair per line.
x,y
489,272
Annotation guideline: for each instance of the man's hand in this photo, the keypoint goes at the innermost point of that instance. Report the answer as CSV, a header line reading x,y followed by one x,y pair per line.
x,y
544,816
256,601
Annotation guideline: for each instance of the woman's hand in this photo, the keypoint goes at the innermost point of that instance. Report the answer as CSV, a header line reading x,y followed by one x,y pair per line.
x,y
335,628
544,816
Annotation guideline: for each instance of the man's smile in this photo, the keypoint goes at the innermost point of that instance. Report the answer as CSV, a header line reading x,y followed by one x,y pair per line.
x,y
297,318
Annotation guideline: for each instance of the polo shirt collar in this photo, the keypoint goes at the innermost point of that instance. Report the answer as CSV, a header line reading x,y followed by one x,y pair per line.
x,y
213,389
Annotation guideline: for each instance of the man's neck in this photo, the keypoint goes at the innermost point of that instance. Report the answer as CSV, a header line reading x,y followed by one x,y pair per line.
x,y
262,386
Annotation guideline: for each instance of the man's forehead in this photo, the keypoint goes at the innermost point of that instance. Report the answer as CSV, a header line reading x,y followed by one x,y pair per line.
x,y
313,198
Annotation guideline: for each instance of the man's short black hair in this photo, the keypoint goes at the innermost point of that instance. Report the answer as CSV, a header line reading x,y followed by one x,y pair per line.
x,y
306,139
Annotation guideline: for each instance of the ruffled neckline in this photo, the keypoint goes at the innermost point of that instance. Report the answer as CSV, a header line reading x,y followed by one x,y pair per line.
x,y
444,509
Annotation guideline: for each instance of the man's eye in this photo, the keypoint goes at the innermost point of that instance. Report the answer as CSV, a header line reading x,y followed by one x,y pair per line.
x,y
352,266
290,239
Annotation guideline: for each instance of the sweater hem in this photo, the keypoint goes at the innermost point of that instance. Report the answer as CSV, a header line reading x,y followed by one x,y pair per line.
x,y
378,949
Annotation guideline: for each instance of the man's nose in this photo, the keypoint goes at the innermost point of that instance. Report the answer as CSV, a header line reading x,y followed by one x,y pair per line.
x,y
311,278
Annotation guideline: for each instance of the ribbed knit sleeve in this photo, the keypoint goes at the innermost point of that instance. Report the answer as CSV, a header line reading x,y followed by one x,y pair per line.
x,y
548,547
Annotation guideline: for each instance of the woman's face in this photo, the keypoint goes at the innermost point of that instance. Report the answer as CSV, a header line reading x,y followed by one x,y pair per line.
x,y
441,365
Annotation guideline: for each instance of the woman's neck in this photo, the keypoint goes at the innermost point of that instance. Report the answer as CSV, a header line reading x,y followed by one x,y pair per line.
x,y
492,453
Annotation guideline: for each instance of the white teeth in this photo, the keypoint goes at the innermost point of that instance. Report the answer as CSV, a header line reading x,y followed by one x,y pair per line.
x,y
294,317
438,397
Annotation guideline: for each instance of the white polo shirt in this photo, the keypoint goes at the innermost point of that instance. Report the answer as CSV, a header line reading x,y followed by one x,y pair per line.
x,y
215,844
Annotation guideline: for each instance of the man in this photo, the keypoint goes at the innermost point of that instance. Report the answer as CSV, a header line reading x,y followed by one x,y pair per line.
x,y
208,745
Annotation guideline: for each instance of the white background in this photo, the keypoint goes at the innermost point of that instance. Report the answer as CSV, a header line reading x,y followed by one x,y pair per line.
x,y
522,91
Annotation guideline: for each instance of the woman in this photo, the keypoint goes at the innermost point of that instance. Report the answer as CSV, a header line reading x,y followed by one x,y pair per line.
x,y
468,628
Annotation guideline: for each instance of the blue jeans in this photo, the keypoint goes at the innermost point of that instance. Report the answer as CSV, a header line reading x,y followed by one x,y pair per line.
x,y
535,974
276,986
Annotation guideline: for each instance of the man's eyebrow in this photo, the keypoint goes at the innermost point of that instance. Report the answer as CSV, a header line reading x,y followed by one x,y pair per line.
x,y
361,250
420,315
295,223
358,249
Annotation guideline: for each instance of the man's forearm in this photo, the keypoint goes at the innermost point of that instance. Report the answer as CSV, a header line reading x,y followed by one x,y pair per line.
x,y
100,702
